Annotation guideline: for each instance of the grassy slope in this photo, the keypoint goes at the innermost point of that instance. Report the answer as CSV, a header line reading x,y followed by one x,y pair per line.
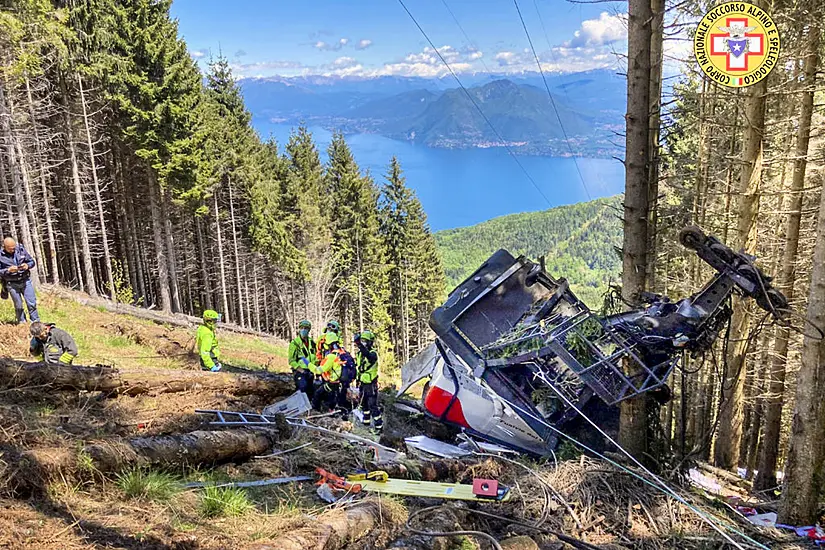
x,y
577,240
124,341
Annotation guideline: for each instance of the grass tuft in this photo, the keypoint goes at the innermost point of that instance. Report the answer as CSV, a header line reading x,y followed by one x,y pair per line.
x,y
85,462
139,484
224,501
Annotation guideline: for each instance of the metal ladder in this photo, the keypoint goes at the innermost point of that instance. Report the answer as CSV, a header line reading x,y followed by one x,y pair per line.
x,y
232,418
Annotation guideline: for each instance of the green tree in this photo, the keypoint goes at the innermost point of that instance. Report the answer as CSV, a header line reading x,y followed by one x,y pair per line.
x,y
415,273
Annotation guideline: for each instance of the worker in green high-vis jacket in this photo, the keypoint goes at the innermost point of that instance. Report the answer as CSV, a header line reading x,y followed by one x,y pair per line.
x,y
206,340
302,359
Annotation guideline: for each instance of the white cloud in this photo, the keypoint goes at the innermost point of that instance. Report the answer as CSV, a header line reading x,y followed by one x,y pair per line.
x,y
475,55
262,67
507,58
331,47
198,54
363,44
345,62
598,32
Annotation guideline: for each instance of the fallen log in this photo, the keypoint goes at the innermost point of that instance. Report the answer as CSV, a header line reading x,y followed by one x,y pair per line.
x,y
135,382
189,449
337,528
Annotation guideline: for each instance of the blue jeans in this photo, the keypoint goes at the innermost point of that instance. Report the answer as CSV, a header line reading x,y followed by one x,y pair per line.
x,y
23,291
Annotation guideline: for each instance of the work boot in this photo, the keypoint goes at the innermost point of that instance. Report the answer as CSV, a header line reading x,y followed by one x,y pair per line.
x,y
377,424
4,294
343,412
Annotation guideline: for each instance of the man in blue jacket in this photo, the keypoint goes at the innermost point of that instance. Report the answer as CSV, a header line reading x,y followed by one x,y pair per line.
x,y
15,271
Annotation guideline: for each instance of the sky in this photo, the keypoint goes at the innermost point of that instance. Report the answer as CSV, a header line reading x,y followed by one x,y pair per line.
x,y
368,38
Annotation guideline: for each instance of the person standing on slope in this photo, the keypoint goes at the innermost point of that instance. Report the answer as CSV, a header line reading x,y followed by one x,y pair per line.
x,y
206,340
15,272
302,361
366,362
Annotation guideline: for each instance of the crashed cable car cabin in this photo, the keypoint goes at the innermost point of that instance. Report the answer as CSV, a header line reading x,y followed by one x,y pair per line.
x,y
517,353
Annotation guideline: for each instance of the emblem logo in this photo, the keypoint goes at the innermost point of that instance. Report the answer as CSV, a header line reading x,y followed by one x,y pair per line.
x,y
736,44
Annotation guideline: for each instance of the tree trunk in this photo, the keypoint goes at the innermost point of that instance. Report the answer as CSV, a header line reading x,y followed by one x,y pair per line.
x,y
237,258
336,529
85,248
204,274
18,172
6,192
44,191
657,8
803,470
224,296
256,294
769,452
158,226
633,417
126,252
728,440
19,374
132,233
166,211
101,216
196,448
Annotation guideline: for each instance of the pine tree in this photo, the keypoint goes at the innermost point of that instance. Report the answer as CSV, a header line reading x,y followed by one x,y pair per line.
x,y
157,90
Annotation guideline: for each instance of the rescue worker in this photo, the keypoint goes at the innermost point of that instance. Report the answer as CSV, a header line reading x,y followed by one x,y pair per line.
x,y
322,347
302,361
335,374
15,272
54,344
206,340
366,362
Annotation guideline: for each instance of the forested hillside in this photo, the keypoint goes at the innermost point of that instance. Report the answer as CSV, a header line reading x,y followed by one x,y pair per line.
x,y
579,242
128,173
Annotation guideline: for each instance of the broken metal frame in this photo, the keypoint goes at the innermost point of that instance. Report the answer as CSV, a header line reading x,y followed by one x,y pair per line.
x,y
606,375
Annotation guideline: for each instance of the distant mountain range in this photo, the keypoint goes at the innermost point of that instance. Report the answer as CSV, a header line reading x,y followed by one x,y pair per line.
x,y
429,111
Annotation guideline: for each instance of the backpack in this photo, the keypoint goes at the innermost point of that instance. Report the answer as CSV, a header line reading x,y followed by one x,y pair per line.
x,y
348,371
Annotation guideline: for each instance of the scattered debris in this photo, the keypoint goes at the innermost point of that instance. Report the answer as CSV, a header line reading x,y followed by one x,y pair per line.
x,y
259,483
382,454
435,447
294,405
279,453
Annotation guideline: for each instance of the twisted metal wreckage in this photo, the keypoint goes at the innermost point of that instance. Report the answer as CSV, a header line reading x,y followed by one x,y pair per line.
x,y
517,355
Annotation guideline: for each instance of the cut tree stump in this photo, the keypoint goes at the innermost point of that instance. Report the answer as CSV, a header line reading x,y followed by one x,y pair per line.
x,y
135,382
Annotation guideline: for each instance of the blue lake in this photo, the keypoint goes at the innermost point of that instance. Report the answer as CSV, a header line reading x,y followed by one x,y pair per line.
x,y
460,187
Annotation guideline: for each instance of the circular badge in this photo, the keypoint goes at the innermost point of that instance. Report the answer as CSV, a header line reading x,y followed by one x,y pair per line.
x,y
736,44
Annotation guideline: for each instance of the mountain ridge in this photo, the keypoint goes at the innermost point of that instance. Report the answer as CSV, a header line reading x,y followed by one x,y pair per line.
x,y
427,111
